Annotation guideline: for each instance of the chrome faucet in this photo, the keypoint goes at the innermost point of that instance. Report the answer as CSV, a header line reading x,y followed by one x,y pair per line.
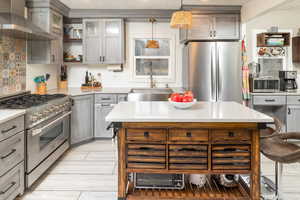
x,y
152,82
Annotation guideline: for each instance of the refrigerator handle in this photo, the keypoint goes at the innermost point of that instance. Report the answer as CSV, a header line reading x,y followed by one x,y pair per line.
x,y
213,86
219,76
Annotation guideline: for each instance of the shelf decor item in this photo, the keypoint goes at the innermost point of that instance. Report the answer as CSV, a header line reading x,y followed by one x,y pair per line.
x,y
182,19
152,44
271,39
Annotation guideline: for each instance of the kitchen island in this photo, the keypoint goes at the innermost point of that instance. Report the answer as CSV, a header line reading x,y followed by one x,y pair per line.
x,y
209,138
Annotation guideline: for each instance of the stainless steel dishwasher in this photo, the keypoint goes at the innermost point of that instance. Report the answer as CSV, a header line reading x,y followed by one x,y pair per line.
x,y
104,103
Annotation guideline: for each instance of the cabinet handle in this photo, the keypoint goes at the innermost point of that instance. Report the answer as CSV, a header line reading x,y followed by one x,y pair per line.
x,y
12,184
215,33
231,134
53,58
188,134
9,154
103,58
105,99
270,100
210,34
289,111
10,129
146,134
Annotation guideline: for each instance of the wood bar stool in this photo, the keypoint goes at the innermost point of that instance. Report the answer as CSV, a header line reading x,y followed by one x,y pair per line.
x,y
276,147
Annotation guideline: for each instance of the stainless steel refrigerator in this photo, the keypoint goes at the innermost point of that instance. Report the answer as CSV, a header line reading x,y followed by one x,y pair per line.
x,y
213,71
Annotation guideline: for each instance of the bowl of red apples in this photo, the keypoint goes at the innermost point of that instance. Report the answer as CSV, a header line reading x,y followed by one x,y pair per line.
x,y
182,101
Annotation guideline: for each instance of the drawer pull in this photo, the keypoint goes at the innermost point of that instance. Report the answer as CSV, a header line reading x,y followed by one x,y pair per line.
x,y
187,149
188,134
105,99
144,148
12,184
270,100
231,134
146,134
9,154
10,129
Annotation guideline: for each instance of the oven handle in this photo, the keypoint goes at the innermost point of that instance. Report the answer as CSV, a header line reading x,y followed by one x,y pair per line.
x,y
40,130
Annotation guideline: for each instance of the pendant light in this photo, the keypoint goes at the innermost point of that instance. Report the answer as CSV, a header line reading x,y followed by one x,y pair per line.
x,y
182,19
152,44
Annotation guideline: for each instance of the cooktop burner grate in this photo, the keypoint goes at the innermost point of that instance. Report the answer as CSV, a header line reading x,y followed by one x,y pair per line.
x,y
29,100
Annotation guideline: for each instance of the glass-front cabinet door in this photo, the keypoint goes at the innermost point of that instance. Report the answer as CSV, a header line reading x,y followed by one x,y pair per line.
x,y
56,21
92,45
113,47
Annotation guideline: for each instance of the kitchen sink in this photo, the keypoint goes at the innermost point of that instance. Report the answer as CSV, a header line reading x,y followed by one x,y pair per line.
x,y
149,94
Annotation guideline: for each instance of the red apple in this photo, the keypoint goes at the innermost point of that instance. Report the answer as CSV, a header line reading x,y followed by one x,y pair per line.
x,y
187,99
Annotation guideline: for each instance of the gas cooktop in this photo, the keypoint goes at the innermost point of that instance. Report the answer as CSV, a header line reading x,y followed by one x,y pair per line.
x,y
28,101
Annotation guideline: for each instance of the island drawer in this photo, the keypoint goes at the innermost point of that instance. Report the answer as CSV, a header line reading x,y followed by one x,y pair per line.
x,y
145,156
11,128
188,157
188,135
228,157
11,152
231,136
146,135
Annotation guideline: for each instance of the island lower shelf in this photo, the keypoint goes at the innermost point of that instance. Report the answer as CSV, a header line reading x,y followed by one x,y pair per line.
x,y
189,148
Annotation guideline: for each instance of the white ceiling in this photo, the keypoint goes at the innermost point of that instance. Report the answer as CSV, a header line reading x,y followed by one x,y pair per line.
x,y
144,4
123,4
290,5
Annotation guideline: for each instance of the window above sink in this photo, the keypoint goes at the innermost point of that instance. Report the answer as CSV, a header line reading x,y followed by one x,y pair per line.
x,y
162,60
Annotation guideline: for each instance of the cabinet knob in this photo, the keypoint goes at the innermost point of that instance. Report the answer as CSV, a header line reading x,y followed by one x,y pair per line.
x,y
146,134
188,134
231,134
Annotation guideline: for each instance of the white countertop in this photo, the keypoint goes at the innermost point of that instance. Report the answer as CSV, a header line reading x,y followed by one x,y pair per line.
x,y
200,112
296,93
6,115
111,90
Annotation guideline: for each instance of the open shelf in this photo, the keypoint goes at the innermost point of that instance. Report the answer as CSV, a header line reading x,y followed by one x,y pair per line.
x,y
67,40
262,39
210,191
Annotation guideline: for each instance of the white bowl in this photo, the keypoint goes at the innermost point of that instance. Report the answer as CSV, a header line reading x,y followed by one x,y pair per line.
x,y
182,105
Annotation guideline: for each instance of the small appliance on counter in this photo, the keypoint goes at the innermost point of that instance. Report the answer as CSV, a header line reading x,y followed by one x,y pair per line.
x,y
288,81
264,84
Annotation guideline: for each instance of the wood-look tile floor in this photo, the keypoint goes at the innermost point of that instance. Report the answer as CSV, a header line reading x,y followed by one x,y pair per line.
x,y
89,172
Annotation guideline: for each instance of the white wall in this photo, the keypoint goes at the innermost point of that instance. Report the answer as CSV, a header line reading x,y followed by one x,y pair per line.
x,y
284,19
33,71
76,72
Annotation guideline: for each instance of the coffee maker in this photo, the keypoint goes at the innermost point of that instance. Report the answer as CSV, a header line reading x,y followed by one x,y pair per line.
x,y
288,81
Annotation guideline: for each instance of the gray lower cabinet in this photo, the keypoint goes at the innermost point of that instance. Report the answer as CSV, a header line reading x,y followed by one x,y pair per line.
x,y
293,116
12,148
82,119
12,183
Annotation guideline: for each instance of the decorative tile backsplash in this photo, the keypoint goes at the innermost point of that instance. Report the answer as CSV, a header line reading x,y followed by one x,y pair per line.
x,y
12,65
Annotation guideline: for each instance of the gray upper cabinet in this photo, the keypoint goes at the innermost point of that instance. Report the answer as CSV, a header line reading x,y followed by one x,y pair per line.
x,y
212,27
82,119
226,27
46,52
103,41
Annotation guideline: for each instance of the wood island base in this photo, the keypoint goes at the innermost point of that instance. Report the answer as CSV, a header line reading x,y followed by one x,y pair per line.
x,y
189,148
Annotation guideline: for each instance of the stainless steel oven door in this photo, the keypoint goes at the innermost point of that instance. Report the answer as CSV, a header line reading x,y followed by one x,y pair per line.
x,y
43,139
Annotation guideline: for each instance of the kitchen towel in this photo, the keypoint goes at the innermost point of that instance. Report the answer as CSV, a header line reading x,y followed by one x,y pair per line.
x,y
245,69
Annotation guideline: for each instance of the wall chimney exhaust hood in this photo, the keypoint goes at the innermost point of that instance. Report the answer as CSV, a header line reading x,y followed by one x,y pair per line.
x,y
14,24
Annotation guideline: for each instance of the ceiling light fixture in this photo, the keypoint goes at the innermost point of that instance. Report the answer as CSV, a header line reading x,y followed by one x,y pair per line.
x,y
152,44
182,19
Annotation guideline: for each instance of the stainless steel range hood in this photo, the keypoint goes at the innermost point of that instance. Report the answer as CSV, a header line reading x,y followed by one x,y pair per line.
x,y
14,24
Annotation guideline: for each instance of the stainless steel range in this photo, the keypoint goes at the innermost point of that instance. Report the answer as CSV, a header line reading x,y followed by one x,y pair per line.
x,y
47,124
